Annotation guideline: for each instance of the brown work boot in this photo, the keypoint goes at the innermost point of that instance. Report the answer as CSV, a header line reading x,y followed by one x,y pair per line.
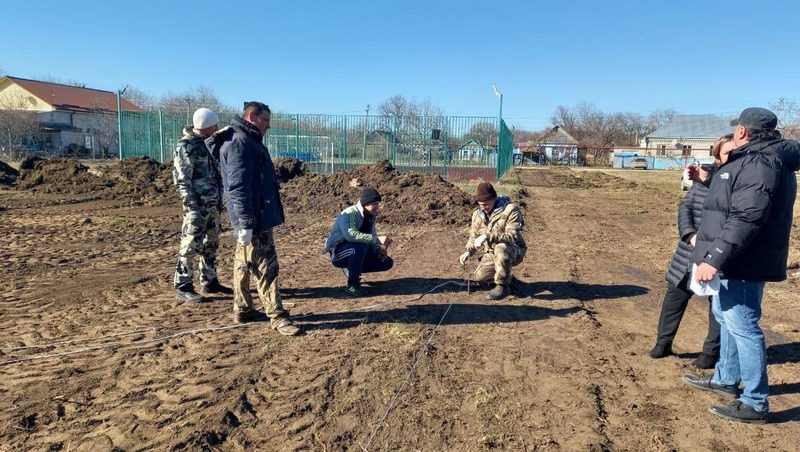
x,y
497,293
251,315
284,326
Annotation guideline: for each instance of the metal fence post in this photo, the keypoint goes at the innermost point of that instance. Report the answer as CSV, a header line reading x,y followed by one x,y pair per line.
x,y
345,141
394,142
119,123
161,133
297,135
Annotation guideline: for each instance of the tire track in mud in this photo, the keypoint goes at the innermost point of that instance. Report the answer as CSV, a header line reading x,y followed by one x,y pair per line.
x,y
613,392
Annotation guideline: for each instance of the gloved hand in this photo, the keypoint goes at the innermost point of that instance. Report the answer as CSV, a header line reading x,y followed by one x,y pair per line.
x,y
479,241
244,236
463,258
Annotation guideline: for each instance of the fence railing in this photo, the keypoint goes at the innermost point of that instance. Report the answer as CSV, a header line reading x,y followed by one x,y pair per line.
x,y
456,147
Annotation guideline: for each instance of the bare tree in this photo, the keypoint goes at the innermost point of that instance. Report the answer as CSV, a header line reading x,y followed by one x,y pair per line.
x,y
659,118
140,98
594,128
188,101
17,126
483,133
788,112
413,121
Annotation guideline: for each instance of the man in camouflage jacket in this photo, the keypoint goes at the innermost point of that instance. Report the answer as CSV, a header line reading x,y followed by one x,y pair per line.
x,y
496,229
197,179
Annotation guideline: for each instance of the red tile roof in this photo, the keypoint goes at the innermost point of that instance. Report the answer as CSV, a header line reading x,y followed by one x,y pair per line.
x,y
66,97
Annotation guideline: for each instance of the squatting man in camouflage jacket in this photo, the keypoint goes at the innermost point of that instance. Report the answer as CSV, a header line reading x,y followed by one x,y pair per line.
x,y
198,182
497,230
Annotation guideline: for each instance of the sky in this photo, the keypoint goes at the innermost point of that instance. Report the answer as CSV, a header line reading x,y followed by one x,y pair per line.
x,y
337,57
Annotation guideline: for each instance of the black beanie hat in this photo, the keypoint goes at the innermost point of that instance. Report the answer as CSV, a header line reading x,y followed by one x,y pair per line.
x,y
369,195
485,192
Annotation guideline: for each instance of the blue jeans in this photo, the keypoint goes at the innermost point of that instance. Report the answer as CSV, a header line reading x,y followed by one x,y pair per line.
x,y
743,352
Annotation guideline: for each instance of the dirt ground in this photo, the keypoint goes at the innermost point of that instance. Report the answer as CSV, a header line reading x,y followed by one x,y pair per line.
x,y
97,355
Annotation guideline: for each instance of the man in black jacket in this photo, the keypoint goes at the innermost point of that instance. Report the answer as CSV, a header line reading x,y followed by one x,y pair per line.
x,y
744,240
254,206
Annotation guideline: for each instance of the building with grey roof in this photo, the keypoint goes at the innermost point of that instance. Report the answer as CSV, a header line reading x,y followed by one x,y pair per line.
x,y
687,136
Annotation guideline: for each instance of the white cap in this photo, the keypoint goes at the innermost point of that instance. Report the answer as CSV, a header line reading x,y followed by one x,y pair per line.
x,y
204,118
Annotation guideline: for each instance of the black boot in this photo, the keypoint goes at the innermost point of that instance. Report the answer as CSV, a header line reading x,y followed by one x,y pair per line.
x,y
186,293
705,361
215,288
661,351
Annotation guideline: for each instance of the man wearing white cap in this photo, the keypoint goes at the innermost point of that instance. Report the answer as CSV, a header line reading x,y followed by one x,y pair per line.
x,y
198,182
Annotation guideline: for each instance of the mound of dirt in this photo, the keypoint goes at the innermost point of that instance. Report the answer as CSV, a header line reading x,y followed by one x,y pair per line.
x,y
8,175
287,169
58,176
407,198
143,179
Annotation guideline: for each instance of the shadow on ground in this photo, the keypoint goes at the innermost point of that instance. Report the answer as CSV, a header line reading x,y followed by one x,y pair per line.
x,y
540,290
783,353
432,314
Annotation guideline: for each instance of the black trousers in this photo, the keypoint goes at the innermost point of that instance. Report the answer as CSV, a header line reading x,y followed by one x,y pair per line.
x,y
359,258
672,309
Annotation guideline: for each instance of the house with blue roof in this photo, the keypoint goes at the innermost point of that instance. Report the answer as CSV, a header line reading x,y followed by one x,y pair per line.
x,y
688,136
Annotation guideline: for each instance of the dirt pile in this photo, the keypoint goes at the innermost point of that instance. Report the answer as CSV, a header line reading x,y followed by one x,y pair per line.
x,y
287,169
58,176
143,179
407,198
8,175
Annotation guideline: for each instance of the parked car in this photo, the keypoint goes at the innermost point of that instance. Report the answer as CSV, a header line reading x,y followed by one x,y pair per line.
x,y
639,163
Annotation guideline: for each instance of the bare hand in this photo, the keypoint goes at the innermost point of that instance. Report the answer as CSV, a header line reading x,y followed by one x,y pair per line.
x,y
705,272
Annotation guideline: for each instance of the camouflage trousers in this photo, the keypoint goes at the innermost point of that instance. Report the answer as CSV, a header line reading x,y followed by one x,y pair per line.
x,y
199,236
496,263
260,259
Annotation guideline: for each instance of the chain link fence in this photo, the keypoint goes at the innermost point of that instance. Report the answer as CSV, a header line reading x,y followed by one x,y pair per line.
x,y
456,147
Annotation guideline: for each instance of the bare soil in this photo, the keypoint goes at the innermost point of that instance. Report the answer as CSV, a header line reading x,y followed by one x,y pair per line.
x,y
97,355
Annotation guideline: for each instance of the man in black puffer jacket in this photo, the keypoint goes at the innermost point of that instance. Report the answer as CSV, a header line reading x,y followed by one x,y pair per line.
x,y
744,240
254,206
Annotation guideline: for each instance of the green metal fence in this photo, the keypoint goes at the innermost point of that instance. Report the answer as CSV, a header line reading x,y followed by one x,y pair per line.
x,y
456,147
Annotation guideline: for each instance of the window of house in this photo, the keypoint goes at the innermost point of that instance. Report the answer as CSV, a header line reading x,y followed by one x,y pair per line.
x,y
662,149
687,150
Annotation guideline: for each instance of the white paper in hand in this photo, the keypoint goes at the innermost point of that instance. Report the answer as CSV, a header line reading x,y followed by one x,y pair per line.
x,y
704,289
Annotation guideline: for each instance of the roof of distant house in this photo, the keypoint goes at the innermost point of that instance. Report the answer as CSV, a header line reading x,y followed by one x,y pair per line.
x,y
694,126
73,98
558,136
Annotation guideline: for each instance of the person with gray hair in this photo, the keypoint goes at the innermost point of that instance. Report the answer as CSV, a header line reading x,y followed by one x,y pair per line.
x,y
742,243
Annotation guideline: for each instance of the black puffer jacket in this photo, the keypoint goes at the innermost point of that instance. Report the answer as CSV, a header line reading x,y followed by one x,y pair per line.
x,y
748,212
690,213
